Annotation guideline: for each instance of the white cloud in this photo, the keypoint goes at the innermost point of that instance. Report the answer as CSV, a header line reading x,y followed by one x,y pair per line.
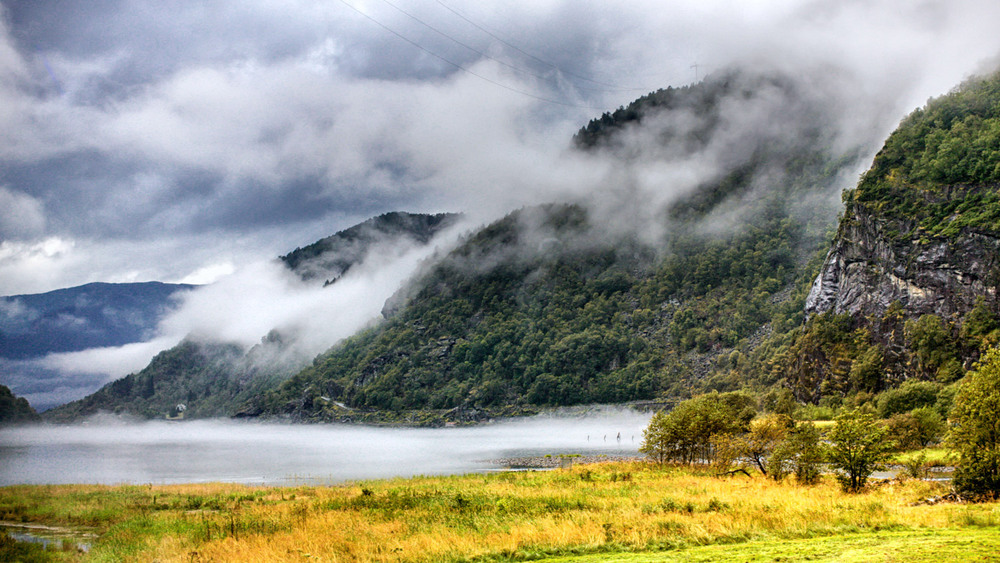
x,y
31,264
109,363
209,274
262,296
21,215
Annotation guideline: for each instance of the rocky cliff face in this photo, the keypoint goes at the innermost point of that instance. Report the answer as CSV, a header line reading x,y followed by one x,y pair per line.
x,y
867,270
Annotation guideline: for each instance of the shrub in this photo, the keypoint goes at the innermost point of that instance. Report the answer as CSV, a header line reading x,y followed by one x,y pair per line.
x,y
908,396
976,430
685,433
858,447
918,428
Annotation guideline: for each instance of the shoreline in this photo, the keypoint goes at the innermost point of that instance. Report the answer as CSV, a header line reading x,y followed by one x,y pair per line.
x,y
560,460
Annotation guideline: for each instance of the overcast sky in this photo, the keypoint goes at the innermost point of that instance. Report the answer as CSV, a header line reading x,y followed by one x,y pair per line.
x,y
146,140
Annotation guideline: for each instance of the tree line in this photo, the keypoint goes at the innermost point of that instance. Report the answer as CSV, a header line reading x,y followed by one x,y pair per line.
x,y
726,431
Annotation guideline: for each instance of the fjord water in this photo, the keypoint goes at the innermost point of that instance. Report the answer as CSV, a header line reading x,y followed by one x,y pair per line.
x,y
112,452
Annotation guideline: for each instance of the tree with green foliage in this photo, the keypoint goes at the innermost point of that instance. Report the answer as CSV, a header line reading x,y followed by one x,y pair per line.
x,y
858,447
933,346
763,440
981,326
908,396
657,441
685,433
806,452
975,431
918,428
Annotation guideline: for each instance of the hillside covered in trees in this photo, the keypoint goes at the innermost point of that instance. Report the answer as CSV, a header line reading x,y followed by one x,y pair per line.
x,y
202,378
908,291
558,305
726,289
15,410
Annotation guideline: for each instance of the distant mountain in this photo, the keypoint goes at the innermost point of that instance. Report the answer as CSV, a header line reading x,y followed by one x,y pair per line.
x,y
211,378
95,315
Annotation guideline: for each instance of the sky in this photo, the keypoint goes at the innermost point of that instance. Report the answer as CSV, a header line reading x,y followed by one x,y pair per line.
x,y
196,141
180,141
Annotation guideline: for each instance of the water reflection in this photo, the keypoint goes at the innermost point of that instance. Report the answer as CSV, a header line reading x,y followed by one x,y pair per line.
x,y
56,539
229,451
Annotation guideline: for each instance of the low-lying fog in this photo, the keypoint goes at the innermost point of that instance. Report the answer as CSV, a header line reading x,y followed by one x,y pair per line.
x,y
113,452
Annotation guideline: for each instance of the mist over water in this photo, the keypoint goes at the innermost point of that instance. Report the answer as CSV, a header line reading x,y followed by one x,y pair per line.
x,y
159,452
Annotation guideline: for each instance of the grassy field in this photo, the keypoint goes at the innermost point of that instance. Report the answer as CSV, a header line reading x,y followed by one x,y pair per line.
x,y
910,546
931,456
631,512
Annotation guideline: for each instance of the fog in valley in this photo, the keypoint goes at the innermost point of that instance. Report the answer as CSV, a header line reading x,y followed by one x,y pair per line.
x,y
111,451
195,145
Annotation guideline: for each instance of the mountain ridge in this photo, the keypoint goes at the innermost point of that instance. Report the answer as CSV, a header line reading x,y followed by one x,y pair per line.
x,y
207,378
752,286
612,321
92,315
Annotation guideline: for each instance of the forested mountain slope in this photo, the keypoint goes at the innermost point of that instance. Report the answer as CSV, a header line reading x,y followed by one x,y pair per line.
x,y
568,303
553,306
192,379
909,289
212,378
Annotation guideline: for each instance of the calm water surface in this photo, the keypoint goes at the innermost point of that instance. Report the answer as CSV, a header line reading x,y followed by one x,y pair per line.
x,y
114,452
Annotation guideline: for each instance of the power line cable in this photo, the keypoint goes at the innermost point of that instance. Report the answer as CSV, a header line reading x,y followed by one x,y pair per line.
x,y
462,68
467,46
615,88
494,59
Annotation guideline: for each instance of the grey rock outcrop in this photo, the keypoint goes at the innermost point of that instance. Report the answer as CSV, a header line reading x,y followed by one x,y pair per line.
x,y
866,271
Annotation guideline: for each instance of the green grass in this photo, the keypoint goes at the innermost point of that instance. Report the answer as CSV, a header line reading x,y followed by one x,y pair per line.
x,y
935,456
909,546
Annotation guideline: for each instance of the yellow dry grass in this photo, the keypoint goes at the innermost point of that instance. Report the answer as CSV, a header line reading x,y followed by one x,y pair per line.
x,y
596,508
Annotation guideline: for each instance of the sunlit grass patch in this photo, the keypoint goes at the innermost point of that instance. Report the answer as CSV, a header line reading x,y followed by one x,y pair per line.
x,y
931,456
910,546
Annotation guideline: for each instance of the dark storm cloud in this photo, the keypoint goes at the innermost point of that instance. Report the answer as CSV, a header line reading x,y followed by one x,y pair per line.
x,y
153,39
140,124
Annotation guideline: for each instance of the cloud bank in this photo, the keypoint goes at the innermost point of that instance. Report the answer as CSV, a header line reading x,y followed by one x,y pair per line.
x,y
142,128
196,141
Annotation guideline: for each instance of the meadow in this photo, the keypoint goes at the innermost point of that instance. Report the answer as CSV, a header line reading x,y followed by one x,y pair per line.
x,y
626,511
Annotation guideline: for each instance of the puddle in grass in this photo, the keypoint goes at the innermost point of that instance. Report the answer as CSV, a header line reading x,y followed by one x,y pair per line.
x,y
49,537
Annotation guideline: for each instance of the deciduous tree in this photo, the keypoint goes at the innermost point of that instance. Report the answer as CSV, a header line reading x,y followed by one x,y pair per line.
x,y
858,447
976,429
